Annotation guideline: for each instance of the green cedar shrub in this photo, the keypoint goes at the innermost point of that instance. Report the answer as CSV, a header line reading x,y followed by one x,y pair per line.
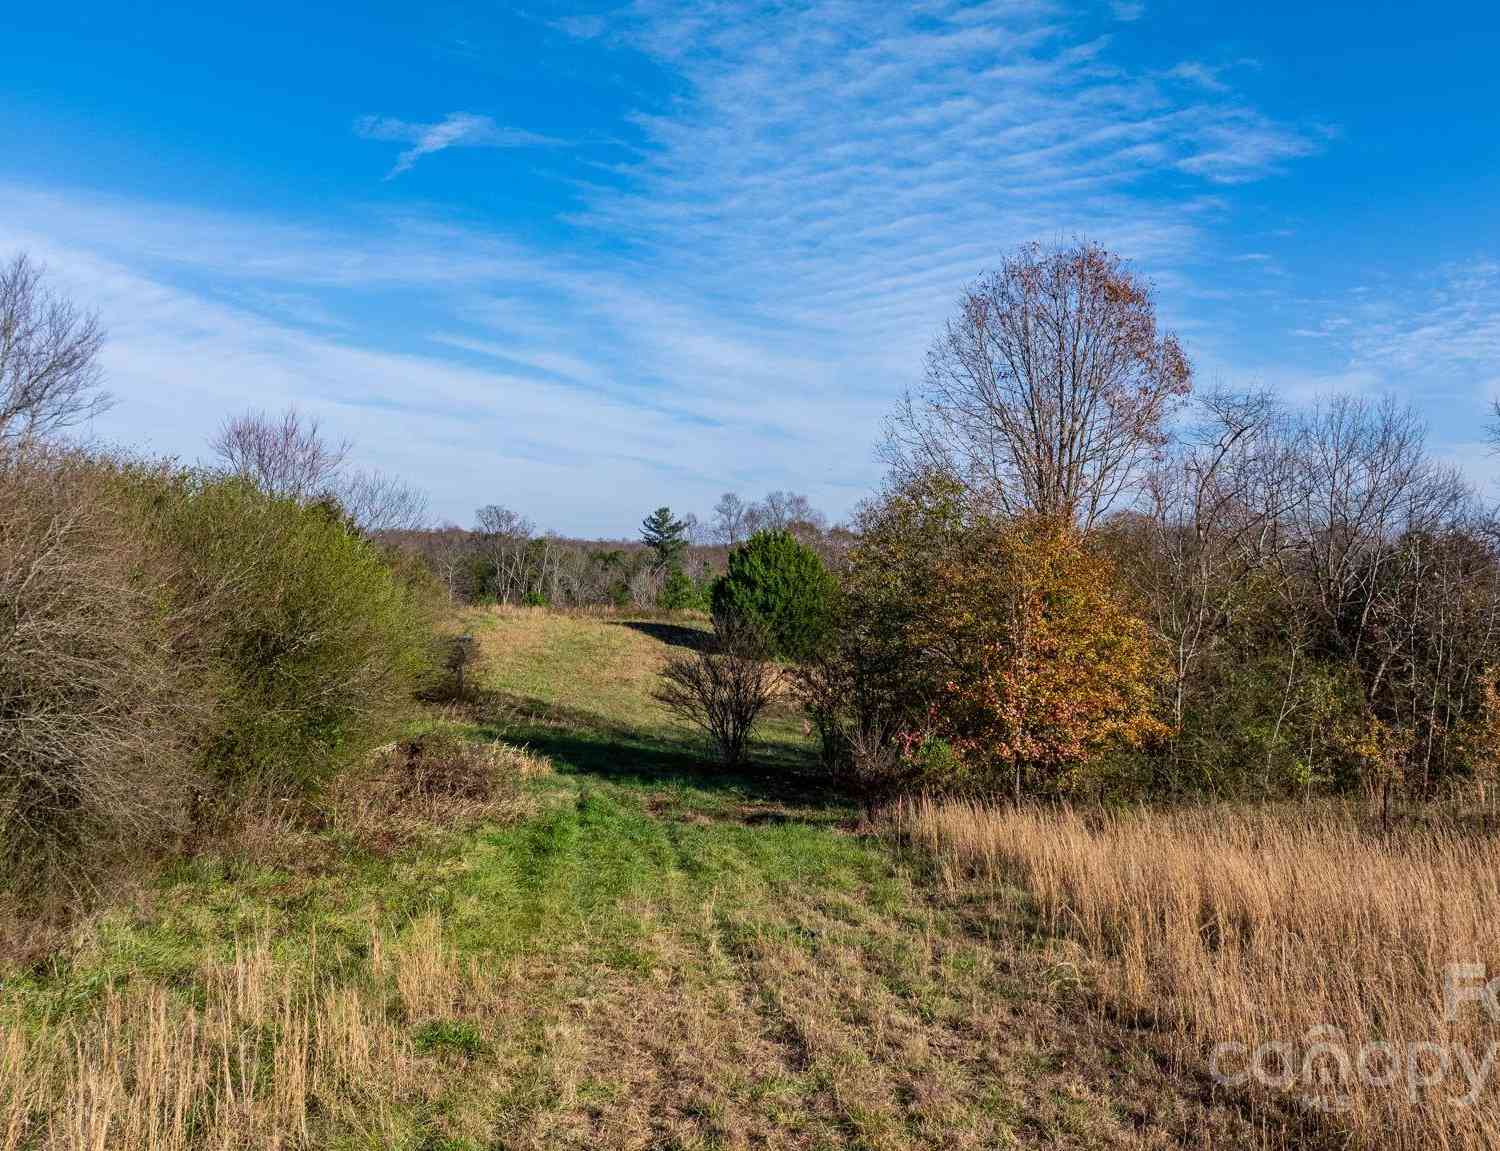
x,y
781,586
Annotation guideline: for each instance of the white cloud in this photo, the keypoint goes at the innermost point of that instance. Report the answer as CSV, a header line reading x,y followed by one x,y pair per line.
x,y
455,130
589,398
1442,332
1196,72
853,169
776,257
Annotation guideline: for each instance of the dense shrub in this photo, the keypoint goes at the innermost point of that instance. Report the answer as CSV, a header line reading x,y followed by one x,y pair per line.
x,y
677,591
781,586
870,690
1043,666
171,638
977,652
313,635
102,706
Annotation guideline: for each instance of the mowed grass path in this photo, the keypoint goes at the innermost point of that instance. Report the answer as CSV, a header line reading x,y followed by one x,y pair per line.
x,y
649,955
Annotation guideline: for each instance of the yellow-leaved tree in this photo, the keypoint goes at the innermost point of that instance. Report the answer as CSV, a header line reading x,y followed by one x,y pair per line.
x,y
1042,665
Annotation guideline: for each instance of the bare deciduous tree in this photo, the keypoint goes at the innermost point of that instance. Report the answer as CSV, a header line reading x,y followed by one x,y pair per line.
x,y
1212,507
728,524
783,511
1363,478
49,352
377,503
1051,388
449,549
504,538
286,456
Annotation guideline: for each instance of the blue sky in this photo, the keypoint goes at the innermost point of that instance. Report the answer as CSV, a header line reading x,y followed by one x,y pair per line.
x,y
585,261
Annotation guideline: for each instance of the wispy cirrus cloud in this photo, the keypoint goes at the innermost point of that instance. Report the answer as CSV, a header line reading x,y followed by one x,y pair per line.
x,y
1196,72
455,130
1434,338
741,297
1448,329
850,168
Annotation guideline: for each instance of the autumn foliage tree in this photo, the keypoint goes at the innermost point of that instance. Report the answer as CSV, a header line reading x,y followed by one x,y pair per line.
x,y
1043,665
1012,639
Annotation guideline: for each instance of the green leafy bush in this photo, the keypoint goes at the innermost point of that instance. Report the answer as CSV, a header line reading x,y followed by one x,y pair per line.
x,y
677,591
780,586
312,635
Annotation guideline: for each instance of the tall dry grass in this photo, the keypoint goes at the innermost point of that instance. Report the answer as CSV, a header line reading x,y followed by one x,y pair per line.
x,y
261,1056
1294,928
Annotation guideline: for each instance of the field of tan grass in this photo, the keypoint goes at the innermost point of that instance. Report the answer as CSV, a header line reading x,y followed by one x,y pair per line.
x,y
608,944
262,1050
1298,954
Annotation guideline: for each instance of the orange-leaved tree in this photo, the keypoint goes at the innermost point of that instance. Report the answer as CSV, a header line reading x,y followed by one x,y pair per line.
x,y
1044,665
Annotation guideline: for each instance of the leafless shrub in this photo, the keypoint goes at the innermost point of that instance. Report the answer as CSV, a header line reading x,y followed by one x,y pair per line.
x,y
874,757
49,350
645,587
723,687
99,711
286,455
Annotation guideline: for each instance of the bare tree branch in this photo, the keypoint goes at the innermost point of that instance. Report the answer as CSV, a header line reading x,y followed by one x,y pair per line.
x,y
49,352
1051,388
285,456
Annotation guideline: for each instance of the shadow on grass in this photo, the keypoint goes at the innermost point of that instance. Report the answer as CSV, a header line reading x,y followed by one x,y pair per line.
x,y
586,743
671,634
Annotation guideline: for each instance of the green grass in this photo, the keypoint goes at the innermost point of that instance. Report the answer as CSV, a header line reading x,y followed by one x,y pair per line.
x,y
660,954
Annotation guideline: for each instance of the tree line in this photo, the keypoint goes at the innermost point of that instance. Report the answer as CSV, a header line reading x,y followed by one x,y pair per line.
x,y
1082,577
504,558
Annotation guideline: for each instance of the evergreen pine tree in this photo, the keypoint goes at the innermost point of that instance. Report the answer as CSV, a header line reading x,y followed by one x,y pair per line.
x,y
666,537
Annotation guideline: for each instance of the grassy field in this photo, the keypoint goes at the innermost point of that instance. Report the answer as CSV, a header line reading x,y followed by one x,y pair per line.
x,y
627,949
1309,926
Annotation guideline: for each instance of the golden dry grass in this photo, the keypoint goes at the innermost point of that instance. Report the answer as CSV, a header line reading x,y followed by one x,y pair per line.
x,y
267,1059
1257,927
413,787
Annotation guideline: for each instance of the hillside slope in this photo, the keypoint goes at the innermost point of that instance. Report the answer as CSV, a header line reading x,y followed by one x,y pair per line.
x,y
632,951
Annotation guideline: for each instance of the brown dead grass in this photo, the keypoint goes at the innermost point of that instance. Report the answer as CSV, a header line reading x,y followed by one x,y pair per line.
x,y
432,782
1255,927
266,1059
